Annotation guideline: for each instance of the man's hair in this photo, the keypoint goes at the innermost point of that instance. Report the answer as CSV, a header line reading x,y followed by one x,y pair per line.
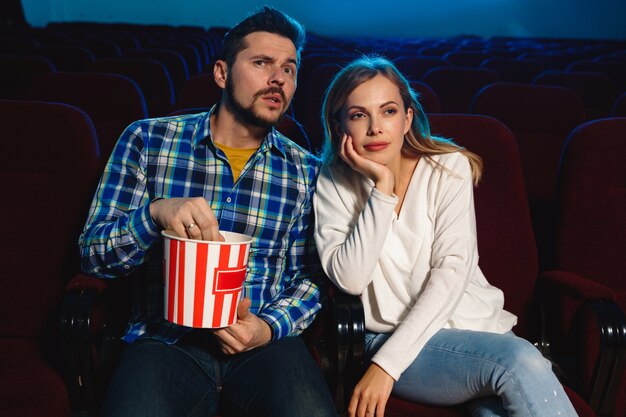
x,y
267,19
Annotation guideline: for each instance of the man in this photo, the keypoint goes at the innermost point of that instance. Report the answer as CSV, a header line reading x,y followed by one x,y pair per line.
x,y
227,169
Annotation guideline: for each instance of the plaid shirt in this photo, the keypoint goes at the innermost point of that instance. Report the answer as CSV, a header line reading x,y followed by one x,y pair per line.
x,y
270,201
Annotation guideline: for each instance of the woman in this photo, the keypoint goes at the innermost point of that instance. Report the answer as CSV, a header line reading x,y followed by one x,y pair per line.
x,y
395,224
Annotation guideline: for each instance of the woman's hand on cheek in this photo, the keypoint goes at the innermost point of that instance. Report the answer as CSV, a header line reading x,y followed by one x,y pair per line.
x,y
380,174
370,395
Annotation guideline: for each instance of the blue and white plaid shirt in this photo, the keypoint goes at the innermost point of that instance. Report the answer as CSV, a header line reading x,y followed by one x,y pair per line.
x,y
270,201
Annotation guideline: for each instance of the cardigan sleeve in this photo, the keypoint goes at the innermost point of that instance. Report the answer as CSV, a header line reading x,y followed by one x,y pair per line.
x,y
352,222
454,259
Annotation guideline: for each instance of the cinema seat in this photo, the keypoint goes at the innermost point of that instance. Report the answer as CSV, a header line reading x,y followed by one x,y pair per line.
x,y
591,247
540,117
112,101
49,163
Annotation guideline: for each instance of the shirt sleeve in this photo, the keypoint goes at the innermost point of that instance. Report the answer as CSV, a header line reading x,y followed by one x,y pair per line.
x,y
350,234
119,229
454,259
296,305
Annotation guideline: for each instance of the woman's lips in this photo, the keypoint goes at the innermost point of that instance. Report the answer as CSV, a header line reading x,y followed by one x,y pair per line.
x,y
376,146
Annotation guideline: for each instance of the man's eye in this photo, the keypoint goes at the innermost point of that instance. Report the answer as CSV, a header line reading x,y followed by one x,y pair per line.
x,y
260,63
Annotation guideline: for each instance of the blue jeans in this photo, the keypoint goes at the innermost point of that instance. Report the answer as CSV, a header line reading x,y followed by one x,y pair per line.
x,y
495,374
193,378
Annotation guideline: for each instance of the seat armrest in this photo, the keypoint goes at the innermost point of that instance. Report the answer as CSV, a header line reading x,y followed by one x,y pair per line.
x,y
347,328
593,334
574,285
91,330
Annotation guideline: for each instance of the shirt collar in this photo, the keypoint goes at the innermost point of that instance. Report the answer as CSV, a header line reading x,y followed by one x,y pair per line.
x,y
272,140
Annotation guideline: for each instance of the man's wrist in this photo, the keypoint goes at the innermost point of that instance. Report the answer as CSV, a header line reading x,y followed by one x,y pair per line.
x,y
268,332
151,210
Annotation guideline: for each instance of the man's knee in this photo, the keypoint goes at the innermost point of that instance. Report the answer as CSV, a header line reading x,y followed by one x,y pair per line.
x,y
287,382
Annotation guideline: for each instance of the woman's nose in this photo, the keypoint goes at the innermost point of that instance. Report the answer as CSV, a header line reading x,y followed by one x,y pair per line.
x,y
374,127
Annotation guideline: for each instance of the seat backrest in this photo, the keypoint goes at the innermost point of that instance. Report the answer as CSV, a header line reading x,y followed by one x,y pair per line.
x,y
306,76
414,67
113,101
149,74
311,96
592,202
427,97
456,86
49,164
596,90
435,50
616,70
66,57
199,91
187,50
17,73
619,107
551,59
514,70
16,44
506,244
470,59
173,61
540,117
99,48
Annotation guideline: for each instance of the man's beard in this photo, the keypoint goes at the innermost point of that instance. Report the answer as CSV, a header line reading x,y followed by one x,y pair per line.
x,y
247,114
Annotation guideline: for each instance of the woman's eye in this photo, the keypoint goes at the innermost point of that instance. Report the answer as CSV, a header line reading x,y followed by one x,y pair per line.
x,y
356,116
391,111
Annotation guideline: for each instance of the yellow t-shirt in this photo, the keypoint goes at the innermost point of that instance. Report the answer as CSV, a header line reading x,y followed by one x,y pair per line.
x,y
237,157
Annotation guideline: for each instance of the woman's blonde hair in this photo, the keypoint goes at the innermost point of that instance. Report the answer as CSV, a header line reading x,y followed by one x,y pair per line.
x,y
418,141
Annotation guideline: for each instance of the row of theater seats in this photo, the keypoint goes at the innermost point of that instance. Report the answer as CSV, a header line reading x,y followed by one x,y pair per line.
x,y
51,162
536,114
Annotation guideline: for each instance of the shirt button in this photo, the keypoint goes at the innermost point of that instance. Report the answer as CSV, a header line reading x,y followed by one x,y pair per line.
x,y
228,200
126,266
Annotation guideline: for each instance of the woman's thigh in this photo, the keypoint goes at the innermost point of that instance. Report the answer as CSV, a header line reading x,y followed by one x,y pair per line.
x,y
456,366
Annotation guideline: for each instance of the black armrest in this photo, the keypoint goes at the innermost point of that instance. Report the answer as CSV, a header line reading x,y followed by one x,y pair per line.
x,y
611,362
346,328
91,330
583,307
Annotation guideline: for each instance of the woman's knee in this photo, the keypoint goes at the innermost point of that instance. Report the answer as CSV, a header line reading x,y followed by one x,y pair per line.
x,y
524,356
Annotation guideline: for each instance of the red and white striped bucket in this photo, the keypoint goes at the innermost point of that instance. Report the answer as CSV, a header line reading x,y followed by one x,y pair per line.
x,y
203,279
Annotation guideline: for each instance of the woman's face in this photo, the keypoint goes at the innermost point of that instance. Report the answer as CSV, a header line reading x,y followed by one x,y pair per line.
x,y
375,117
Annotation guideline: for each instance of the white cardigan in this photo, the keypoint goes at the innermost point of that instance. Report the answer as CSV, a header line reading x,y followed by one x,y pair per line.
x,y
416,272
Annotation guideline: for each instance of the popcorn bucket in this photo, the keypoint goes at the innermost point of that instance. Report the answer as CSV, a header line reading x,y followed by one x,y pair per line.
x,y
204,279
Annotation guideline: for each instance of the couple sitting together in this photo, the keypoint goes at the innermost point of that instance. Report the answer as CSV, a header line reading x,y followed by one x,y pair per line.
x,y
386,213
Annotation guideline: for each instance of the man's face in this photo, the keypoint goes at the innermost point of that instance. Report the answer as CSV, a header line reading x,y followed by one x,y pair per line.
x,y
261,82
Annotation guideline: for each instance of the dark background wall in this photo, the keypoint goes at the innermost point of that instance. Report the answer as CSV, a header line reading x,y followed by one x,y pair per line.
x,y
598,19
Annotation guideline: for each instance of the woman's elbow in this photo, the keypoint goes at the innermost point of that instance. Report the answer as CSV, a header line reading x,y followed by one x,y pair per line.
x,y
345,281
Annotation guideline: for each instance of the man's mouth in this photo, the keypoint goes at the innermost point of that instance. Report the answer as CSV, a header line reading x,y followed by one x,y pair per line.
x,y
273,96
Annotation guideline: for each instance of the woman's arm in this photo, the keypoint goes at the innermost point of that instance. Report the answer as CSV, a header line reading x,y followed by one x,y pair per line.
x,y
351,226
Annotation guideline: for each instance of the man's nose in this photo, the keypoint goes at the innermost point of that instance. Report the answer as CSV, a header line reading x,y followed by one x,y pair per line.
x,y
277,77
